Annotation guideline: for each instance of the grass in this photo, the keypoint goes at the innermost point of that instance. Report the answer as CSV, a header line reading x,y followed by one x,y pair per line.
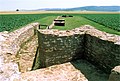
x,y
46,18
77,21
12,22
15,21
46,21
71,23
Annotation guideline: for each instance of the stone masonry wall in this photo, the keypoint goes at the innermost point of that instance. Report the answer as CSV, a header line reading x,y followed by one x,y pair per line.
x,y
9,46
12,41
55,49
86,42
104,54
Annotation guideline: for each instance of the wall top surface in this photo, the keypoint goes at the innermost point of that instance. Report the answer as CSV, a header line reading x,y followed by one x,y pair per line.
x,y
86,29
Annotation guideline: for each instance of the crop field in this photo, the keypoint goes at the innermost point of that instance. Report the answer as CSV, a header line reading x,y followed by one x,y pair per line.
x,y
77,21
12,22
15,21
105,22
109,20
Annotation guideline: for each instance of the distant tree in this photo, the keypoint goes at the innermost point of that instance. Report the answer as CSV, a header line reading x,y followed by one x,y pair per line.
x,y
17,9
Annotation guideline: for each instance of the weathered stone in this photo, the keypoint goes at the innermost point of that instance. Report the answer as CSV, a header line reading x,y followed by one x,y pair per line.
x,y
62,72
104,54
115,74
100,48
9,72
9,46
56,47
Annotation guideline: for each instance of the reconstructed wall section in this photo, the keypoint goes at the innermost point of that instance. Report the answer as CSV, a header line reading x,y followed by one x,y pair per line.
x,y
55,49
100,48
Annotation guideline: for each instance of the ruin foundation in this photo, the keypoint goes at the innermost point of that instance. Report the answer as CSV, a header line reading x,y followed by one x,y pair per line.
x,y
99,48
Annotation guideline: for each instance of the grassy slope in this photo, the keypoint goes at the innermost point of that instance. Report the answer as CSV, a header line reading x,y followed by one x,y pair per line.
x,y
78,21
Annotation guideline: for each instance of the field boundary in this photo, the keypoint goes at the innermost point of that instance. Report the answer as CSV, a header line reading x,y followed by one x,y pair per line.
x,y
66,12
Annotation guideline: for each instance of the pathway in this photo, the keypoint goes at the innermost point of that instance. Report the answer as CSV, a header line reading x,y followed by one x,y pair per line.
x,y
52,25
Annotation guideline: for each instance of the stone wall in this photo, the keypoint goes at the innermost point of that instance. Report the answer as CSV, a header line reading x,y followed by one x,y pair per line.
x,y
10,44
100,48
12,41
55,49
104,54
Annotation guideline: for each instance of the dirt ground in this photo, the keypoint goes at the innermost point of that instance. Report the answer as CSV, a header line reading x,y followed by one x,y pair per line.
x,y
67,12
26,54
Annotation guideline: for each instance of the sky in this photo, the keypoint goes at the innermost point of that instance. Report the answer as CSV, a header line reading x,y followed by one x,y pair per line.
x,y
38,4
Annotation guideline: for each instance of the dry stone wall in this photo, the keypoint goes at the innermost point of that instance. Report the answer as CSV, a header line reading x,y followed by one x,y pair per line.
x,y
100,48
104,54
12,41
9,46
55,49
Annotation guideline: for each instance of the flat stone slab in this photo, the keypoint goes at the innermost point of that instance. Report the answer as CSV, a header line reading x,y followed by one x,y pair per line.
x,y
62,72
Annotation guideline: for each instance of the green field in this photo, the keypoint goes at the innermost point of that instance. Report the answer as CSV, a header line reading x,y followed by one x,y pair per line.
x,y
104,22
109,20
46,21
14,21
79,20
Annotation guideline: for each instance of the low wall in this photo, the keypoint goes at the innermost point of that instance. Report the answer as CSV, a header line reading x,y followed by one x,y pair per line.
x,y
9,46
13,40
100,48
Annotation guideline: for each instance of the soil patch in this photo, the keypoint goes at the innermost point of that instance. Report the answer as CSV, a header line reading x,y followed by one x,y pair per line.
x,y
26,54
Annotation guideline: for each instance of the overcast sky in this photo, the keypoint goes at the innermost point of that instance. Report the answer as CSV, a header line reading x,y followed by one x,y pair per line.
x,y
38,4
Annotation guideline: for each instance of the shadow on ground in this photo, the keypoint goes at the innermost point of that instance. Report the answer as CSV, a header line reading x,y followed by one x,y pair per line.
x,y
90,71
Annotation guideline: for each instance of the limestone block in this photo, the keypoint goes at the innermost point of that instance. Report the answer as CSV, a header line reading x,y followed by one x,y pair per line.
x,y
62,72
115,74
